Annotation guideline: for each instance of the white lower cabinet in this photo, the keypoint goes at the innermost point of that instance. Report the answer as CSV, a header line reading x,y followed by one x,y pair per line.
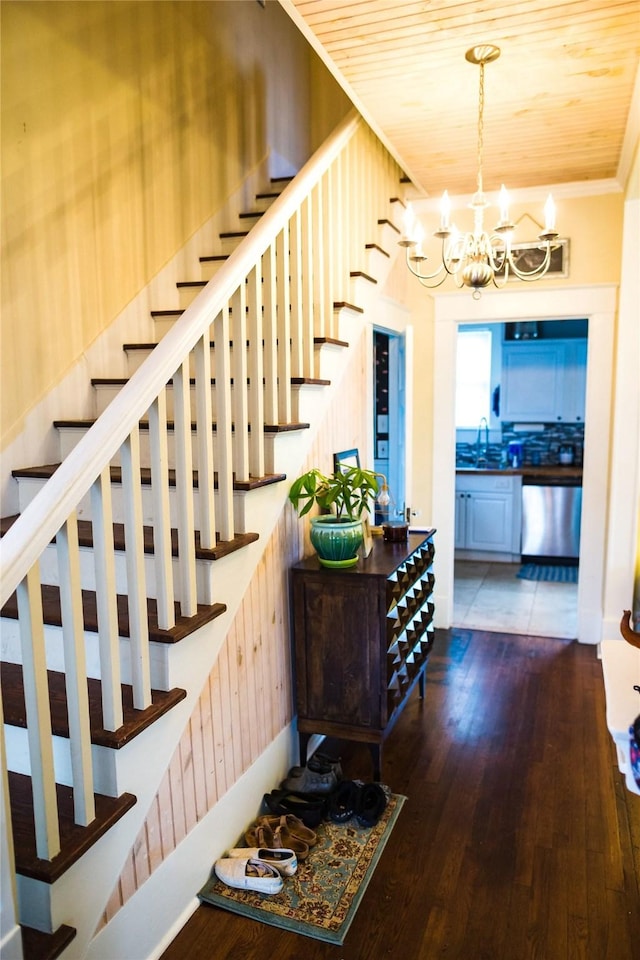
x,y
488,515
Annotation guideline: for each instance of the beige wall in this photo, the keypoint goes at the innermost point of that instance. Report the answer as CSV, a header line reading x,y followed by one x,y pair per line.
x,y
124,127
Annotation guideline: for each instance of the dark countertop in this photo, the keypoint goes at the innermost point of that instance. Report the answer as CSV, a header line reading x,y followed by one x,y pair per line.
x,y
551,471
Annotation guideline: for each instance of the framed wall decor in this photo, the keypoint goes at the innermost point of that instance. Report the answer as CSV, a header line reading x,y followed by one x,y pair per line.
x,y
528,256
345,459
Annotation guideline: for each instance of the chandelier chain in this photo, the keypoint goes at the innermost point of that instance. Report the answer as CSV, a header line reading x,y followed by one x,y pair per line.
x,y
480,126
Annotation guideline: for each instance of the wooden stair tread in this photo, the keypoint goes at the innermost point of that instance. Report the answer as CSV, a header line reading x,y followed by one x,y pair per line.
x,y
45,471
320,341
37,945
389,224
364,276
149,345
74,840
344,305
310,381
120,381
376,246
134,721
184,626
144,425
222,548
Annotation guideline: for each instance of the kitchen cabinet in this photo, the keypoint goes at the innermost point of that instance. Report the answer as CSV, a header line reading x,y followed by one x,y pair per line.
x,y
488,515
544,381
361,639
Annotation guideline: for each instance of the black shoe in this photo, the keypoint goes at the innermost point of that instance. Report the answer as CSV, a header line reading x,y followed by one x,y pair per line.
x,y
343,801
371,803
311,810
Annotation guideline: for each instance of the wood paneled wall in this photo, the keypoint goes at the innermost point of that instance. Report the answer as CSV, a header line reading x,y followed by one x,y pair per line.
x,y
247,699
125,127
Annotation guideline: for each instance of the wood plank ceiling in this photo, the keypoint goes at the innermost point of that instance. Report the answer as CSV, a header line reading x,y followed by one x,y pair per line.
x,y
557,101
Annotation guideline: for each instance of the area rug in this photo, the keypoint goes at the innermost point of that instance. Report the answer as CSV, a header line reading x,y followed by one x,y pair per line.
x,y
551,572
322,898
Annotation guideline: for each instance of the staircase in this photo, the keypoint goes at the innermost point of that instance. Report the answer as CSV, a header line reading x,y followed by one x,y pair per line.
x,y
129,558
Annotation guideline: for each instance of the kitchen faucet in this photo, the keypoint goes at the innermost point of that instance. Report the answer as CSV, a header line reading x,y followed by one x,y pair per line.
x,y
482,457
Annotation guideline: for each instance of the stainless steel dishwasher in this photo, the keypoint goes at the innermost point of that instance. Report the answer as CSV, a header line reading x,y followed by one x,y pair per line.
x,y
551,511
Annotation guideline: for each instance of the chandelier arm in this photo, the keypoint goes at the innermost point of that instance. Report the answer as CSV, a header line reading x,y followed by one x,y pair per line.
x,y
424,276
434,284
538,271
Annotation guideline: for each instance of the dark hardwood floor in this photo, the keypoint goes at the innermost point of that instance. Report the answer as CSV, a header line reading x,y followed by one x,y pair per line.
x,y
518,839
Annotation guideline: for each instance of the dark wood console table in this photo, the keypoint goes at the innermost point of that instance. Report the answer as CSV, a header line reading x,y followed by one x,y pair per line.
x,y
361,639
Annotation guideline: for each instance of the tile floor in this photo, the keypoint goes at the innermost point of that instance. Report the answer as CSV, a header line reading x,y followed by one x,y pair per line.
x,y
489,596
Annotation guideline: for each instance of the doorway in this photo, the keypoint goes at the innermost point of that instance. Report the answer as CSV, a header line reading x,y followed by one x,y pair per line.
x,y
389,418
494,591
596,303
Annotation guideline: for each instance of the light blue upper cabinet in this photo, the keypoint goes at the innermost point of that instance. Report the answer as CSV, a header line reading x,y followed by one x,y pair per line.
x,y
544,381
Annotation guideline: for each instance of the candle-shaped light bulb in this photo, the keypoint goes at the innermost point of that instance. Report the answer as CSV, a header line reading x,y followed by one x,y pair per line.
x,y
549,215
445,211
408,220
504,204
418,236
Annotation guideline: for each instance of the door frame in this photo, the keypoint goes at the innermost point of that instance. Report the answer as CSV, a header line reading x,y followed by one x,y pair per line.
x,y
598,305
396,473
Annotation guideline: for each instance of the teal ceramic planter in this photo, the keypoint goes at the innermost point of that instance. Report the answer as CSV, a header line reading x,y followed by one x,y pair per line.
x,y
336,541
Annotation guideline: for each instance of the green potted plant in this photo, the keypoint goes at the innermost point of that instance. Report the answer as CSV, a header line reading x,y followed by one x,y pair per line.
x,y
344,496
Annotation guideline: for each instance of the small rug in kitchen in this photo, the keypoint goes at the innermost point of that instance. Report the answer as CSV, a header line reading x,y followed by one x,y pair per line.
x,y
550,572
322,898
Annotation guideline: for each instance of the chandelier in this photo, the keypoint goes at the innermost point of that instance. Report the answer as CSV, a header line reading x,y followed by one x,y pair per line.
x,y
477,258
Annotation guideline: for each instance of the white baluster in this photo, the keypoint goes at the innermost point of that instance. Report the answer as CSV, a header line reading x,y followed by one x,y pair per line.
x,y
256,372
270,331
284,326
306,231
204,427
321,326
162,549
106,601
75,671
239,392
224,426
184,492
36,696
136,580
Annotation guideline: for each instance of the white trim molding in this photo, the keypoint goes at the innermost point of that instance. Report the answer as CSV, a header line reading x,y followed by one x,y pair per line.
x,y
598,303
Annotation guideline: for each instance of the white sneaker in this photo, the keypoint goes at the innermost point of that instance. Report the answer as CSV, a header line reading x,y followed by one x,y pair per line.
x,y
284,860
248,874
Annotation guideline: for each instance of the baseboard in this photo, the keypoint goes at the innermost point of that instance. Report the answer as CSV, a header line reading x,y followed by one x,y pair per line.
x,y
151,919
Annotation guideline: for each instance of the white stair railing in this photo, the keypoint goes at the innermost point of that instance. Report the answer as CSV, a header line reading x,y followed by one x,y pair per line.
x,y
275,293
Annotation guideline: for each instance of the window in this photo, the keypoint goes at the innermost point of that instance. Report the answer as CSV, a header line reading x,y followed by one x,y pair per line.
x,y
473,378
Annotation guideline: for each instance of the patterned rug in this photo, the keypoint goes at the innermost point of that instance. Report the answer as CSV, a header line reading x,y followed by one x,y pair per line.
x,y
551,572
321,899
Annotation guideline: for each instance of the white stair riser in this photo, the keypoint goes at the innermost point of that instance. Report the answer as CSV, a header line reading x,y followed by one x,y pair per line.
x,y
103,760
158,653
28,487
70,437
105,393
246,506
377,264
301,410
49,573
